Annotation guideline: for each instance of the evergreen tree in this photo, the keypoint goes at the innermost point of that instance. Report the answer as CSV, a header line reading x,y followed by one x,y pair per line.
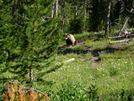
x,y
27,39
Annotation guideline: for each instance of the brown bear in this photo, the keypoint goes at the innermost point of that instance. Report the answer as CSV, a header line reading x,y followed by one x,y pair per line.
x,y
70,40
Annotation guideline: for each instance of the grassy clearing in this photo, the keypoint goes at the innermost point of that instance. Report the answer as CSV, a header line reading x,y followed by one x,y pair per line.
x,y
81,79
113,75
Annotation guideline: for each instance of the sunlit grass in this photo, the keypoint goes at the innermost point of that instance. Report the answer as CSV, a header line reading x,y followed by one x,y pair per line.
x,y
100,44
83,35
111,74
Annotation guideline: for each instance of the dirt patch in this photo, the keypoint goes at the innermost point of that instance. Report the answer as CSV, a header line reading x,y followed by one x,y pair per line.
x,y
80,41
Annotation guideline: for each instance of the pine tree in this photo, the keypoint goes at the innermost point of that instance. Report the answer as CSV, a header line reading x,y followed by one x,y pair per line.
x,y
27,39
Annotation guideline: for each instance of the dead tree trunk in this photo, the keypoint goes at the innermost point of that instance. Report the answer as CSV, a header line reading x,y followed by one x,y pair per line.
x,y
57,7
124,25
125,40
108,16
85,11
53,9
31,74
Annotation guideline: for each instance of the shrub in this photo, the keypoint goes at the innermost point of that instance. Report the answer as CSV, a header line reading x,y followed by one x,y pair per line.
x,y
69,91
17,92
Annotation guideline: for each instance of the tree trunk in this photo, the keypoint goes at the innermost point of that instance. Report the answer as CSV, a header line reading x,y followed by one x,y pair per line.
x,y
85,11
95,15
108,16
31,74
125,40
57,7
85,15
76,9
124,25
15,6
53,8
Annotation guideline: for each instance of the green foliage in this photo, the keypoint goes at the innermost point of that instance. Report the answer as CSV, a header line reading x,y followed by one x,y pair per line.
x,y
92,93
77,25
113,73
72,14
72,91
97,17
125,95
29,42
26,40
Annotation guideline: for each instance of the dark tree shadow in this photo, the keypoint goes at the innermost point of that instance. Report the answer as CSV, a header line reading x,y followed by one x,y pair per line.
x,y
94,52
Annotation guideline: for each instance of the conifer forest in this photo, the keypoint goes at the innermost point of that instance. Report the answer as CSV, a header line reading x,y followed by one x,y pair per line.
x,y
66,50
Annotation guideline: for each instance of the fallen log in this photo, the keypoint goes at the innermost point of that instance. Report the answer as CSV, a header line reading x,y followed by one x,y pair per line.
x,y
130,35
117,37
124,36
125,40
124,25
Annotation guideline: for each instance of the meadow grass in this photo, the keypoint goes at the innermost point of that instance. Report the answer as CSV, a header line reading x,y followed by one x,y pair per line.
x,y
113,75
110,75
81,79
83,35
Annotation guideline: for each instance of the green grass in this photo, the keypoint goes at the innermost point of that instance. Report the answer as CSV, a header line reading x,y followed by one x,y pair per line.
x,y
82,35
83,80
113,75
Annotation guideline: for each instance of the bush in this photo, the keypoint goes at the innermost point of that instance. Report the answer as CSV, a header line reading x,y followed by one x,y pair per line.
x,y
69,91
17,92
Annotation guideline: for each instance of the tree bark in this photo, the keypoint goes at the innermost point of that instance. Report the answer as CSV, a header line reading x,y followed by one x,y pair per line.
x,y
53,8
85,11
124,25
95,15
31,74
57,7
125,40
117,37
108,16
15,6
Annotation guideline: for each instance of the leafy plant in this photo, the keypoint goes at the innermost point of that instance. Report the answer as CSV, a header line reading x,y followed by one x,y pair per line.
x,y
72,91
92,93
